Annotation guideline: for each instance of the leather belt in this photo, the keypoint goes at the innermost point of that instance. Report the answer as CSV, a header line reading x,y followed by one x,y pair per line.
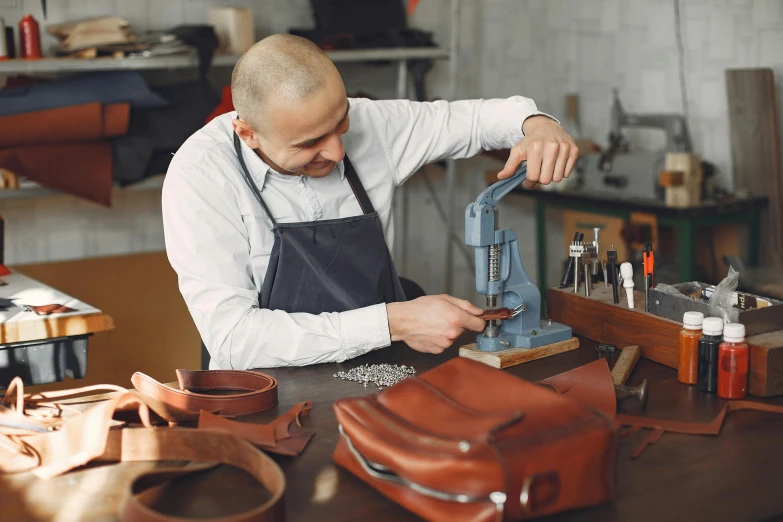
x,y
259,391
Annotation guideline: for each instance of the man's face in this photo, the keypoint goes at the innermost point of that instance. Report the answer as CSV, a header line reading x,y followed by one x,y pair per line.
x,y
305,138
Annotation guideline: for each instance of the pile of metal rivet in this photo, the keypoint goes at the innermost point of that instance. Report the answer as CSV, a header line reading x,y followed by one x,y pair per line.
x,y
382,375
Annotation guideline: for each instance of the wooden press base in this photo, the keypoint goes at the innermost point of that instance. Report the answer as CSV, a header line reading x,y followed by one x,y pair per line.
x,y
514,356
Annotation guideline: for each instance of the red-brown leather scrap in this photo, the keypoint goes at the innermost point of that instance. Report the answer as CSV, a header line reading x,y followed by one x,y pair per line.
x,y
80,169
274,437
50,309
590,384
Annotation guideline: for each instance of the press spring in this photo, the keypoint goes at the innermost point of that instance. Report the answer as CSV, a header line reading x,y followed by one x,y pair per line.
x,y
494,262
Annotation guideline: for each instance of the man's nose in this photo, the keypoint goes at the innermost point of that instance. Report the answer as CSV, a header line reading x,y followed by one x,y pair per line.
x,y
333,149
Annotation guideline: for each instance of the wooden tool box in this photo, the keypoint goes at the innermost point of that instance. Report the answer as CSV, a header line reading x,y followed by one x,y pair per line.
x,y
598,318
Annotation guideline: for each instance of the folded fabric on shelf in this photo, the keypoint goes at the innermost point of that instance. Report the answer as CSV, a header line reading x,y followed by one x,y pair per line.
x,y
106,87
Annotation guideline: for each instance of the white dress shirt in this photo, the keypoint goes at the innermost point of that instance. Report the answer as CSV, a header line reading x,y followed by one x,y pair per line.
x,y
218,239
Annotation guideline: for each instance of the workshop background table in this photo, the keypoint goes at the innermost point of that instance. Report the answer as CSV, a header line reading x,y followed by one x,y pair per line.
x,y
730,477
687,222
44,348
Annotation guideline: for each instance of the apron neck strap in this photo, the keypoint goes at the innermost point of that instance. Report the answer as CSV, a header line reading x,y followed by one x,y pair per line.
x,y
350,175
357,187
249,179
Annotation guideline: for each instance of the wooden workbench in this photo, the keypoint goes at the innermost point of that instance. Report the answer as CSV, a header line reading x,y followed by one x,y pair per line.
x,y
21,328
734,476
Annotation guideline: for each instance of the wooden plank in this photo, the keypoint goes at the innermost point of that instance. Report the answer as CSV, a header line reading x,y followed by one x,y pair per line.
x,y
598,318
625,364
514,356
18,325
755,149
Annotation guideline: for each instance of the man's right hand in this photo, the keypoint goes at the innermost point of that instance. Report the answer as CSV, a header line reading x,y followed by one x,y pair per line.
x,y
431,323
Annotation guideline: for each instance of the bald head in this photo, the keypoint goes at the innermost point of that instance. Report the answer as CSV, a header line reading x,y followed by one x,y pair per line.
x,y
280,68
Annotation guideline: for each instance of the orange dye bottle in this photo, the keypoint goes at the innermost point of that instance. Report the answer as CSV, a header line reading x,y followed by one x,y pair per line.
x,y
688,365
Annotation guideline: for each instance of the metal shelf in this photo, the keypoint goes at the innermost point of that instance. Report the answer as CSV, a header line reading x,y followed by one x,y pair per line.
x,y
150,183
184,61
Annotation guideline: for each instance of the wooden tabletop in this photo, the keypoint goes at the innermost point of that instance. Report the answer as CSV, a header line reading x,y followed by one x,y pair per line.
x,y
734,476
18,324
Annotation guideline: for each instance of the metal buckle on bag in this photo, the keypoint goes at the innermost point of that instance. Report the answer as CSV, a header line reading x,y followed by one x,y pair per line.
x,y
381,472
539,490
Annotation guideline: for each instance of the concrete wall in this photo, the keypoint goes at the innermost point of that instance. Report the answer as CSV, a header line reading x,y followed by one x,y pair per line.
x,y
543,49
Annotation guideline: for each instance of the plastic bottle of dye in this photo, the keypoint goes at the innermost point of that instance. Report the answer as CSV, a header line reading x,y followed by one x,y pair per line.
x,y
687,368
733,358
712,330
29,38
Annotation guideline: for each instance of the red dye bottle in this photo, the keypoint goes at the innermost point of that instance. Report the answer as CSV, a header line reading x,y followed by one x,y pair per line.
x,y
733,363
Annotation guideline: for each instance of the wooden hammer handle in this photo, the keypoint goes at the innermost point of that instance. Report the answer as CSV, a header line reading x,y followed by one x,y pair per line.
x,y
625,364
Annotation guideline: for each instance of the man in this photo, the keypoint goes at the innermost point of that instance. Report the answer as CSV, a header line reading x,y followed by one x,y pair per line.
x,y
278,216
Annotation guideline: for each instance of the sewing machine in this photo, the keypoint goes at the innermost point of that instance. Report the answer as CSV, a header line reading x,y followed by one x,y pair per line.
x,y
502,278
622,172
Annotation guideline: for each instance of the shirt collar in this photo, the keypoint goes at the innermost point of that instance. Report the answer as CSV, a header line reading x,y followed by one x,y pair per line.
x,y
259,169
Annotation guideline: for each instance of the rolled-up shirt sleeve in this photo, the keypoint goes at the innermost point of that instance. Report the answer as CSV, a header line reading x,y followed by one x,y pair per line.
x,y
208,247
418,133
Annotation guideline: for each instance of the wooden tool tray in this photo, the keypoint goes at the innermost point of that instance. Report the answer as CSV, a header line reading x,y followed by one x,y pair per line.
x,y
598,318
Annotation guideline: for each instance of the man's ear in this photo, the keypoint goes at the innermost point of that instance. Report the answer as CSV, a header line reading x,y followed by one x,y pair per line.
x,y
246,133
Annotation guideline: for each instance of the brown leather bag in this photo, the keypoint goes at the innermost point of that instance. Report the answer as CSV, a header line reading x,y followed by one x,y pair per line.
x,y
464,441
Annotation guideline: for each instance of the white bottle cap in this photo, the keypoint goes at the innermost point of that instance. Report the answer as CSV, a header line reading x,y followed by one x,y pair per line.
x,y
734,333
712,326
692,320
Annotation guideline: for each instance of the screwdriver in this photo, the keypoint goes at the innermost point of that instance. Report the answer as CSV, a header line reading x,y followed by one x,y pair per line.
x,y
611,257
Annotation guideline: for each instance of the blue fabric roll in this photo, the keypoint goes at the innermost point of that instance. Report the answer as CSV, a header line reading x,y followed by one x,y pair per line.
x,y
105,87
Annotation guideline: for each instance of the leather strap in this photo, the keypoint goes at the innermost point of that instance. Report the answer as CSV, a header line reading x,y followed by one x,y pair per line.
x,y
592,385
54,447
144,444
659,426
496,314
259,391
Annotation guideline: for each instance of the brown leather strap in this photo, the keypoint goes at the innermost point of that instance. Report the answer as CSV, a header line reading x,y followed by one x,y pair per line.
x,y
592,385
145,444
497,314
88,437
259,391
660,426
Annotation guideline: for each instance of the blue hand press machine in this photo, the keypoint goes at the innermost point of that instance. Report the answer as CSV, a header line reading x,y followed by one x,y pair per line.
x,y
500,274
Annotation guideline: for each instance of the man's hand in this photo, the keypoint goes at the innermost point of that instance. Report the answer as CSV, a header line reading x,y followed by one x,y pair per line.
x,y
431,323
549,150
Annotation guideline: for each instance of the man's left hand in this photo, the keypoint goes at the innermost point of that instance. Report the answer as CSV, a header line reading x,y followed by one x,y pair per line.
x,y
549,150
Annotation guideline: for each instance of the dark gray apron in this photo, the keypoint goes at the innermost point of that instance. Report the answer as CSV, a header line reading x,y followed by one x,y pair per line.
x,y
333,265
